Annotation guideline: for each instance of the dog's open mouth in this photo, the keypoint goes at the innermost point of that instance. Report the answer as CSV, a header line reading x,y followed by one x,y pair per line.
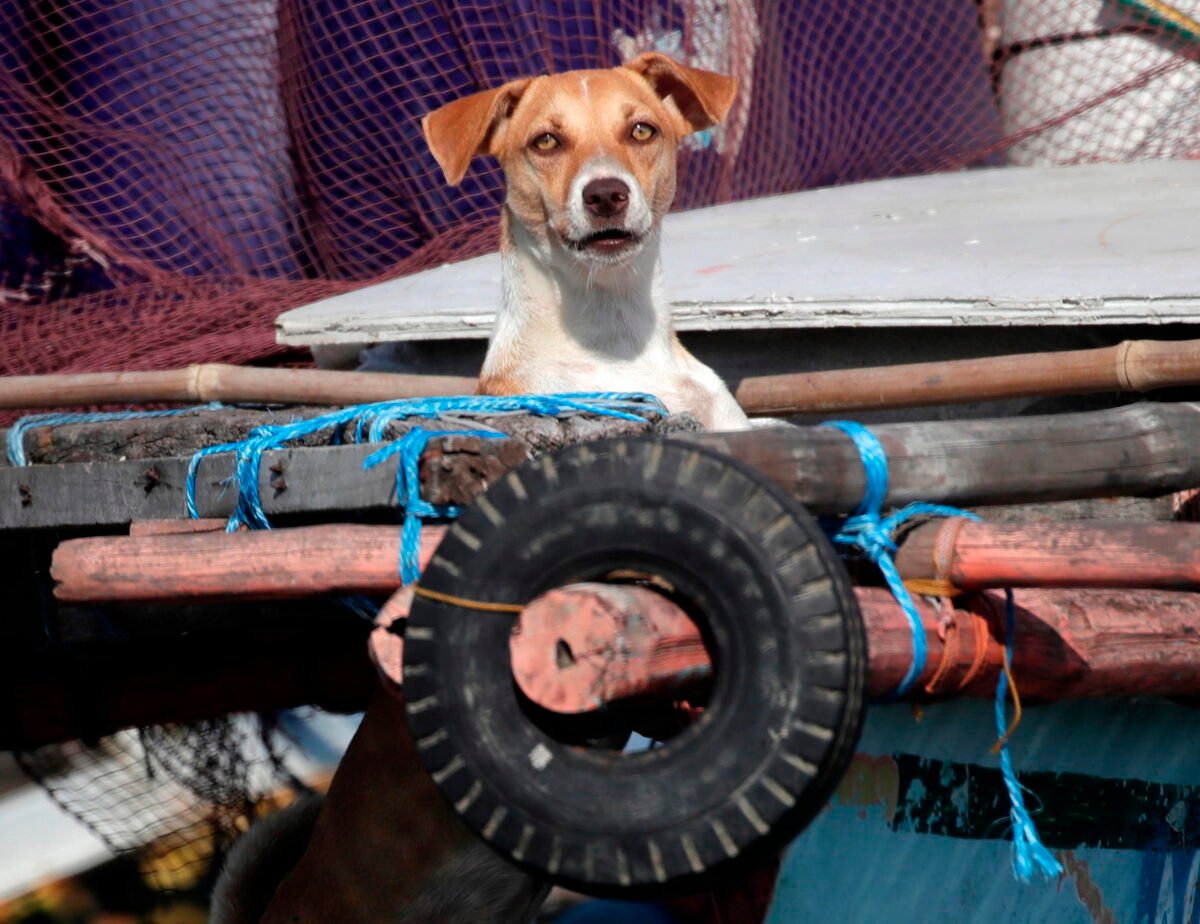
x,y
610,240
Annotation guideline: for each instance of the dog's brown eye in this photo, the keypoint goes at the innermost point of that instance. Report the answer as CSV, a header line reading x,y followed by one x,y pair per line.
x,y
546,142
642,131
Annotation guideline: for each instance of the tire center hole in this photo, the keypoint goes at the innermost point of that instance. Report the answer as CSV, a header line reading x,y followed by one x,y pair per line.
x,y
596,662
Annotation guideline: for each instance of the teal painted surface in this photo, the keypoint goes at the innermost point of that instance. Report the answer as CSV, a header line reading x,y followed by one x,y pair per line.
x,y
914,833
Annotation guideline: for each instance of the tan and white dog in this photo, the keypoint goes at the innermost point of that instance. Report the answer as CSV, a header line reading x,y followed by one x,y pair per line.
x,y
589,160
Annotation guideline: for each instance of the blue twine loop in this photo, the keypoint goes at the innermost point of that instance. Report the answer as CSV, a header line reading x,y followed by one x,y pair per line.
x,y
368,423
866,531
871,534
408,490
1029,853
15,445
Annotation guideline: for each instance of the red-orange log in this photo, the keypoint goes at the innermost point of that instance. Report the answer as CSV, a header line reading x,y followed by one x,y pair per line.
x,y
1069,644
164,560
266,564
972,556
578,647
174,527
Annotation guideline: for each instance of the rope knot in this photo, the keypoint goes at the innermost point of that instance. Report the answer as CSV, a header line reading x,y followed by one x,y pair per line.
x,y
868,533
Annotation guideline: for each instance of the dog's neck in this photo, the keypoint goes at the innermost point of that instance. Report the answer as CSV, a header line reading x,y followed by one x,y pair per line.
x,y
553,305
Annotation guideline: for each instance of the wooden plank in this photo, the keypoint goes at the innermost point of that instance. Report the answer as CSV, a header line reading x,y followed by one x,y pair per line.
x,y
154,438
1089,244
1069,644
305,480
1145,449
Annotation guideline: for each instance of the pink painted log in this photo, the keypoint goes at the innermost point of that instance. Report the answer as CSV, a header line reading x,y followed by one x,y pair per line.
x,y
578,647
1070,643
214,565
174,527
1094,553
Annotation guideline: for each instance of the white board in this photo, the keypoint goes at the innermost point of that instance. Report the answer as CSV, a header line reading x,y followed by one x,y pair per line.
x,y
1095,244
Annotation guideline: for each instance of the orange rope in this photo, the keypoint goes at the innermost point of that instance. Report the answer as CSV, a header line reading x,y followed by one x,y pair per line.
x,y
1016,699
982,635
948,630
940,586
483,605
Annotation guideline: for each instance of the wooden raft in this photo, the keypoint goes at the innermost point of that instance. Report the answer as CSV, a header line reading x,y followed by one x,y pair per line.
x,y
201,572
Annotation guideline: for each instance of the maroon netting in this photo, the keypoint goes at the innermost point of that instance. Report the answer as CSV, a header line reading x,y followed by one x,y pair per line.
x,y
175,173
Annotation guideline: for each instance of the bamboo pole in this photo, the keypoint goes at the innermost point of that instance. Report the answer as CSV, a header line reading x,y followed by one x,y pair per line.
x,y
973,556
229,384
1130,366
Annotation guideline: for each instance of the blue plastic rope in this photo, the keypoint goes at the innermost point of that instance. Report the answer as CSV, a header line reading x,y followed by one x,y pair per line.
x,y
16,435
871,534
408,490
1029,853
369,423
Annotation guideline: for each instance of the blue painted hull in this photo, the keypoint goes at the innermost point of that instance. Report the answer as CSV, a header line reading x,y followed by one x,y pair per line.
x,y
916,833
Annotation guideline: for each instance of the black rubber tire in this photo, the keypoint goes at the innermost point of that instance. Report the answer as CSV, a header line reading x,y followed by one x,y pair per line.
x,y
780,620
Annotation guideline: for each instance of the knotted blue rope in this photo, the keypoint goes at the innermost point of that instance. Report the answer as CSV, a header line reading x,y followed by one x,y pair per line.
x,y
870,533
16,435
408,491
1030,855
368,423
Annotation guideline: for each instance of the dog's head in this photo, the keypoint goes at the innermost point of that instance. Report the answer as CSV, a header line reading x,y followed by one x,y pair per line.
x,y
589,156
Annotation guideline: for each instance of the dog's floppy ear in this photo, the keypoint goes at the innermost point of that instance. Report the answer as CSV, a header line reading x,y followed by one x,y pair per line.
x,y
461,129
702,97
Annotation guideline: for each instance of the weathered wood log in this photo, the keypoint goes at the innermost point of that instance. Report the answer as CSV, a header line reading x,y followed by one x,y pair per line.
x,y
1130,366
1141,449
972,556
208,566
579,647
1133,365
165,437
110,491
291,481
229,384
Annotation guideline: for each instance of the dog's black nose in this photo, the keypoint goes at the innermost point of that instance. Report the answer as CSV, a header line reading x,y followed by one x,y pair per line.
x,y
606,198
